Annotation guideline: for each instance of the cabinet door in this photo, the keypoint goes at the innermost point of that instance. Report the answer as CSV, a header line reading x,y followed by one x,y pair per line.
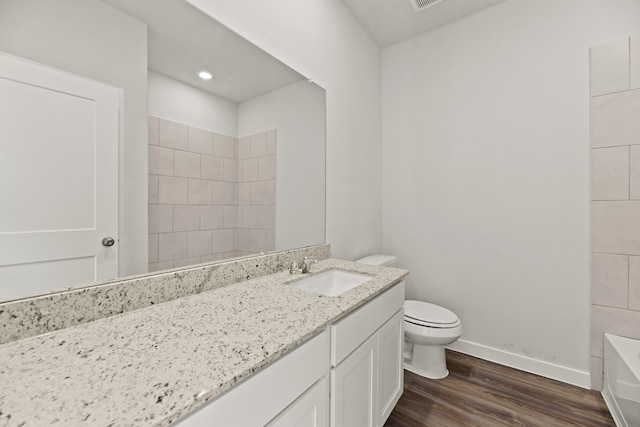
x,y
353,386
310,410
390,371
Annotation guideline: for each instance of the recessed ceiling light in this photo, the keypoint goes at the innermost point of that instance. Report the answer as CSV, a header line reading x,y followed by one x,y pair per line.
x,y
205,75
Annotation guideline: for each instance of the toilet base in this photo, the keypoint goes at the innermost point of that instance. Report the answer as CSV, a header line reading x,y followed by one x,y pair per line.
x,y
429,375
428,361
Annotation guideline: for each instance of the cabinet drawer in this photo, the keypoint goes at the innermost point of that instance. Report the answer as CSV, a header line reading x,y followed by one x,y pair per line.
x,y
348,333
268,392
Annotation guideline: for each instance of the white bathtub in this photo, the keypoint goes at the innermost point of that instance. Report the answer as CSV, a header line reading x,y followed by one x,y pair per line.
x,y
621,388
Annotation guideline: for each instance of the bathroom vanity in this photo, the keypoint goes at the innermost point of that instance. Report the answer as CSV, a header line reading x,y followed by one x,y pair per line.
x,y
260,349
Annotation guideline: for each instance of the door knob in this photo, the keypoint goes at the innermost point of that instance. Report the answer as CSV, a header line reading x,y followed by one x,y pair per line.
x,y
108,241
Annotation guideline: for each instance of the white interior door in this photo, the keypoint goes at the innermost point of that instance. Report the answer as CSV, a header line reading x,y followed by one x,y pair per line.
x,y
58,179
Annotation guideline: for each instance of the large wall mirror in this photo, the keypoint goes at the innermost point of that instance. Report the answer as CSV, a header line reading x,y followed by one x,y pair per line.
x,y
235,164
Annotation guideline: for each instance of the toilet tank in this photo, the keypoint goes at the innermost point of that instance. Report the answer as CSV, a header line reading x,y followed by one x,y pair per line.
x,y
379,259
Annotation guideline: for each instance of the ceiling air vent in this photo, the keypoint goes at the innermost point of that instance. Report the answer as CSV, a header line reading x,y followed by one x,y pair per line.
x,y
420,5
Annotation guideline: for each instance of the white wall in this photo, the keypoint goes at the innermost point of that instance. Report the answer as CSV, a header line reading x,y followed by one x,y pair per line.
x,y
324,42
91,39
297,112
179,102
485,181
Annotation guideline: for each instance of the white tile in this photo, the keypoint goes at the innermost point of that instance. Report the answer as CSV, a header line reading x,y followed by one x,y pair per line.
x,y
267,167
610,173
244,147
615,227
271,141
596,373
211,167
160,218
243,239
153,189
186,262
212,258
223,193
224,146
270,240
172,190
173,135
249,217
635,62
230,170
200,192
271,192
612,321
267,217
158,266
259,144
186,164
259,193
634,173
244,193
211,217
258,240
235,193
610,67
634,283
609,280
250,170
199,243
160,160
230,216
222,240
153,248
614,119
172,246
200,141
186,217
154,129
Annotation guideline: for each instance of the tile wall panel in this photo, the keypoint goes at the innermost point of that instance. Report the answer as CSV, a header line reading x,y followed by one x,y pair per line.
x,y
634,66
634,283
610,67
610,280
615,191
614,120
198,192
610,173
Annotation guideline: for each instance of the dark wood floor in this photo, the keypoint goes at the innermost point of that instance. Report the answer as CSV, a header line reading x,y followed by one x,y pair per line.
x,y
478,393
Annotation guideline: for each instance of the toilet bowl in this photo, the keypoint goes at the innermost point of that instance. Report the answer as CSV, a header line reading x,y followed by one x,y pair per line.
x,y
427,329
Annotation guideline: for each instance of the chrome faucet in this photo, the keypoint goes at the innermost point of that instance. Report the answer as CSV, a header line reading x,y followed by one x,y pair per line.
x,y
303,267
307,263
295,268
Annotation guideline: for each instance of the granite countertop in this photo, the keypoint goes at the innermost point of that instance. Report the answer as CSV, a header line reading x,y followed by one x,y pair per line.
x,y
151,366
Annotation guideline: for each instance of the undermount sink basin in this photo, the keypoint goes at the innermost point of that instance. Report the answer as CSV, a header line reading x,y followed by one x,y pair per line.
x,y
331,282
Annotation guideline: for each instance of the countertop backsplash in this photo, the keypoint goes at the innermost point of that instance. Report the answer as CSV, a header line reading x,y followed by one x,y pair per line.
x,y
37,315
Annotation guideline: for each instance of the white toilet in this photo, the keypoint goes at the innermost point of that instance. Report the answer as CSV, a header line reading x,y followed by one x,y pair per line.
x,y
427,329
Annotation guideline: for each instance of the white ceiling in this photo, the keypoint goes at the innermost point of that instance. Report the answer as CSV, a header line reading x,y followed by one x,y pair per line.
x,y
182,41
393,21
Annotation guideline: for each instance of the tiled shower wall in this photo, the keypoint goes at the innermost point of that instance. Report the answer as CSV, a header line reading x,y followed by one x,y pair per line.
x,y
615,195
206,204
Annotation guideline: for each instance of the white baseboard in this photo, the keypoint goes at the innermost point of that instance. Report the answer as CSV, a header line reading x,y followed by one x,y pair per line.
x,y
524,363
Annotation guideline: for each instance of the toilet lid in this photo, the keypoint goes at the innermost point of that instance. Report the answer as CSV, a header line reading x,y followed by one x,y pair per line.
x,y
427,314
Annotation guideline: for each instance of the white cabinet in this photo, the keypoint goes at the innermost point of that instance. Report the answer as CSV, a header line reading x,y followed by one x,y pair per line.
x,y
353,397
362,352
310,410
262,397
367,382
390,340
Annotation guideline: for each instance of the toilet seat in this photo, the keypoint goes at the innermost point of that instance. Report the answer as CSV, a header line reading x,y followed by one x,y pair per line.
x,y
429,315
